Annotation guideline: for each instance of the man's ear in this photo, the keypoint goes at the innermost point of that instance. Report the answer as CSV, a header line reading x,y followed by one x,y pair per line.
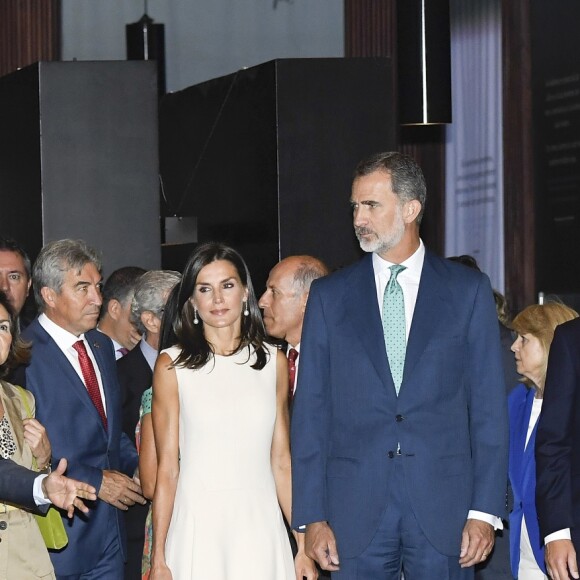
x,y
28,286
411,210
114,309
48,295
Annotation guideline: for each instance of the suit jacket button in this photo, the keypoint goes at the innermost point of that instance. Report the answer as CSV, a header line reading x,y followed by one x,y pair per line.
x,y
3,525
391,454
399,418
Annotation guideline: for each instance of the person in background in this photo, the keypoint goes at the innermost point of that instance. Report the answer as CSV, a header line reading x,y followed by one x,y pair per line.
x,y
115,316
284,302
535,326
15,274
558,455
73,376
135,375
24,441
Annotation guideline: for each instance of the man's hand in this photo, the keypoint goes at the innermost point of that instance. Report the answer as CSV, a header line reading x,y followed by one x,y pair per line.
x,y
119,490
560,558
476,542
320,545
65,492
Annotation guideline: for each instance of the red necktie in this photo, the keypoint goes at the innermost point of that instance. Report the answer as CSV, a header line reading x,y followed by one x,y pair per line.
x,y
90,378
292,356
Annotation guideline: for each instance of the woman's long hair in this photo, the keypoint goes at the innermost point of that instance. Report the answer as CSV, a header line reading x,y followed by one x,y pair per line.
x,y
178,328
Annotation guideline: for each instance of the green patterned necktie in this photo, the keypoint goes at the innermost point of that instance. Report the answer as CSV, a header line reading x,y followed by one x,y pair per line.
x,y
394,326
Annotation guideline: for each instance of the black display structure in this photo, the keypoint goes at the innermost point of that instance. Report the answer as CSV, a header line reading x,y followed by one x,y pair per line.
x,y
79,158
556,110
263,158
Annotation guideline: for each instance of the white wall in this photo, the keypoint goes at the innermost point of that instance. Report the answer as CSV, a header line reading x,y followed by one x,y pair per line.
x,y
207,38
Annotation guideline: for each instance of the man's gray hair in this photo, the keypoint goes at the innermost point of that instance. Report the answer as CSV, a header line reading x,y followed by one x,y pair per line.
x,y
55,260
151,291
407,179
309,270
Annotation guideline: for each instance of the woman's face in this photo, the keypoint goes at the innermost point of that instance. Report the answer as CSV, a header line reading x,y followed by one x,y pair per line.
x,y
219,294
5,334
530,358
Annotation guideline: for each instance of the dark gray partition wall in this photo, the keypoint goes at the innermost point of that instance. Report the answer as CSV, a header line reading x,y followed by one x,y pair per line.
x,y
263,158
79,158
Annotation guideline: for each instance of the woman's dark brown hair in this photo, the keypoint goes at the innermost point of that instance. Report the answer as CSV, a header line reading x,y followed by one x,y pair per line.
x,y
19,352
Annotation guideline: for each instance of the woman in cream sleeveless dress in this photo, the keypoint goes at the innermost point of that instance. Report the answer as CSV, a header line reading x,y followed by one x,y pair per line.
x,y
220,419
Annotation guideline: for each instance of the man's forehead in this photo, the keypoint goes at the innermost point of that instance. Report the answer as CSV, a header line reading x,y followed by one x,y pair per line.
x,y
12,261
87,273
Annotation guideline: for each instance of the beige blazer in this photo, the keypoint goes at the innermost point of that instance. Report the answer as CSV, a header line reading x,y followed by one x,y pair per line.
x,y
22,550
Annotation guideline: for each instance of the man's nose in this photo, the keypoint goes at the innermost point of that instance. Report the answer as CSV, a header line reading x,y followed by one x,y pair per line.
x,y
4,286
262,303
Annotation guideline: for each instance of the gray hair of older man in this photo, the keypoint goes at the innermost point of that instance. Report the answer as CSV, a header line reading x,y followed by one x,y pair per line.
x,y
151,293
55,260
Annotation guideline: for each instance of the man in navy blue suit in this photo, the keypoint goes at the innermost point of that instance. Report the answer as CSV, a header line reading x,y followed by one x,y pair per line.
x,y
558,455
73,377
399,431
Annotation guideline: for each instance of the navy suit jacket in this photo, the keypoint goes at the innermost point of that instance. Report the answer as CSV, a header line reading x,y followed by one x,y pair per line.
x,y
522,472
76,432
558,437
16,485
450,417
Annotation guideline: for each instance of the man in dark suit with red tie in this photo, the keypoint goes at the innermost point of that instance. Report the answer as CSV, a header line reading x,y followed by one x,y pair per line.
x,y
73,377
284,303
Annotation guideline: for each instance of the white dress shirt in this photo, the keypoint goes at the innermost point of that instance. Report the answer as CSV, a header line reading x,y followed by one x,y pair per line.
x,y
409,280
65,340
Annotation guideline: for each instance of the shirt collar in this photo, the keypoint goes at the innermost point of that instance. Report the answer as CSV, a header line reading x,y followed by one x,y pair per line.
x,y
149,352
63,338
413,264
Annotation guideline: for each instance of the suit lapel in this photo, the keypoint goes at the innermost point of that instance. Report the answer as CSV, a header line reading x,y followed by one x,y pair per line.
x,y
365,317
98,348
431,307
65,369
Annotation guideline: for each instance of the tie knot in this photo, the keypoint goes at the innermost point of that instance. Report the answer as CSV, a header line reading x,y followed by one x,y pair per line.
x,y
396,269
292,355
123,351
79,346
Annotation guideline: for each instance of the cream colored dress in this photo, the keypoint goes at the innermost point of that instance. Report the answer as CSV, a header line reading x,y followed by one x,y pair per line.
x,y
226,522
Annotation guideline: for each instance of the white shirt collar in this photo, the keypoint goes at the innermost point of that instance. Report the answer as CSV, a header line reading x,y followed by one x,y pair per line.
x,y
63,338
413,264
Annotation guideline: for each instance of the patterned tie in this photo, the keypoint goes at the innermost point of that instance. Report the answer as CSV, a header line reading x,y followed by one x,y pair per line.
x,y
394,326
292,356
90,377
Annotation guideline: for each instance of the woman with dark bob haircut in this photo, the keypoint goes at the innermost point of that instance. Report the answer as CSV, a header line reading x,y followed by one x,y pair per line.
x,y
220,419
23,440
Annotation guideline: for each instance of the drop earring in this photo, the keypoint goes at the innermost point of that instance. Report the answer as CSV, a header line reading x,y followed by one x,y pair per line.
x,y
246,311
195,318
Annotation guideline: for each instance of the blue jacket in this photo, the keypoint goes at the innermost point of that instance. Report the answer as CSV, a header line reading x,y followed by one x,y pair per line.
x,y
522,474
450,417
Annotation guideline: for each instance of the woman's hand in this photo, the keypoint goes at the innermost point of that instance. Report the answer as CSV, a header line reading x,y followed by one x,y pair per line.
x,y
160,572
305,567
36,437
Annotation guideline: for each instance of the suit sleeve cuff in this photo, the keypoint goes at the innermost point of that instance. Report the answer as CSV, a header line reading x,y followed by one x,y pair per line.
x,y
487,518
37,494
559,535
